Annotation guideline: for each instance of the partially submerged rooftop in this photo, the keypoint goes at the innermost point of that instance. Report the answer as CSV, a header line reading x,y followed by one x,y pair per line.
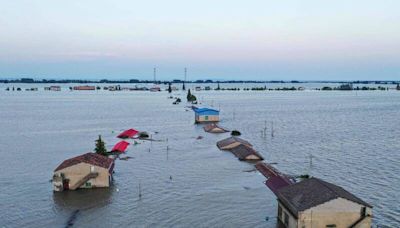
x,y
120,147
244,152
312,192
128,133
214,128
208,111
89,158
232,142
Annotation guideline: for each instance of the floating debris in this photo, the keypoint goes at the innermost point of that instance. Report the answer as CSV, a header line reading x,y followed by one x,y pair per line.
x,y
125,158
250,170
177,101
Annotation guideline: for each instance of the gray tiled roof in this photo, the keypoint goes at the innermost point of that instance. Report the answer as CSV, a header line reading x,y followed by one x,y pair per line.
x,y
312,192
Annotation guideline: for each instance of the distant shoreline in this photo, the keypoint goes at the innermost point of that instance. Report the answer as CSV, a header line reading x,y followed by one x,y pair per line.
x,y
81,81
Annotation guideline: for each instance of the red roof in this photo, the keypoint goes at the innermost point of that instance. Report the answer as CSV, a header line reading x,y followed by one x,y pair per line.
x,y
267,170
277,182
128,133
120,147
89,158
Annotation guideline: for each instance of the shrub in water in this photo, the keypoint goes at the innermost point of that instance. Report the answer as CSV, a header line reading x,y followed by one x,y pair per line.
x,y
143,134
235,133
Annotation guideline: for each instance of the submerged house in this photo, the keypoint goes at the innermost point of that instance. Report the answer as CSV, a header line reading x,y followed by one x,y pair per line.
x,y
232,142
204,115
53,88
85,171
246,153
86,87
242,149
130,133
275,179
317,203
214,128
120,147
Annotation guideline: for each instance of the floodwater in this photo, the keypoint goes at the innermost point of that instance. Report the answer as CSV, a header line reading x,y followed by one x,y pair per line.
x,y
353,137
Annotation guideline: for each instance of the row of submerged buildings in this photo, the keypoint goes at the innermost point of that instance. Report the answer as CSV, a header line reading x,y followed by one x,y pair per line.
x,y
302,202
90,170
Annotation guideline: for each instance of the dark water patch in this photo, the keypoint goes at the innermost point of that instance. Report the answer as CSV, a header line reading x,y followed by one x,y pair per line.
x,y
72,218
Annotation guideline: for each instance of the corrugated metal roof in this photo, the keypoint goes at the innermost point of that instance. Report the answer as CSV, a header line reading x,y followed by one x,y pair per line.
x,y
120,147
128,133
206,111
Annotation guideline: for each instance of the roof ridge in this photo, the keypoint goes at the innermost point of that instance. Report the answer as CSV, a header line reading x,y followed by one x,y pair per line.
x,y
338,195
328,187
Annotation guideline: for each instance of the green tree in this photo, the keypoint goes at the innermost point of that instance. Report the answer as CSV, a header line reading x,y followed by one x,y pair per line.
x,y
100,147
169,88
190,97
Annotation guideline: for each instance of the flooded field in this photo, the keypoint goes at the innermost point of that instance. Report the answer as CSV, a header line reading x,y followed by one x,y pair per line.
x,y
354,138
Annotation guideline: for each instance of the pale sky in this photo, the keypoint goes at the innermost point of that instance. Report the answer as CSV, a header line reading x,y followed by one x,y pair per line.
x,y
231,40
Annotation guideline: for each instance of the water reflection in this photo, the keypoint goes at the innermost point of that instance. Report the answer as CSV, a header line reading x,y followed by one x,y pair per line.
x,y
82,199
74,202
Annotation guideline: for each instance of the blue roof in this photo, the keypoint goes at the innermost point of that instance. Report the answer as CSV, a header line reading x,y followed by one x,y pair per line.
x,y
206,111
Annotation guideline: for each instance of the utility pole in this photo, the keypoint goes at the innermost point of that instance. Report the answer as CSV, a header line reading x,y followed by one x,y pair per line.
x,y
154,74
140,191
167,151
310,157
265,129
272,129
185,74
184,80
